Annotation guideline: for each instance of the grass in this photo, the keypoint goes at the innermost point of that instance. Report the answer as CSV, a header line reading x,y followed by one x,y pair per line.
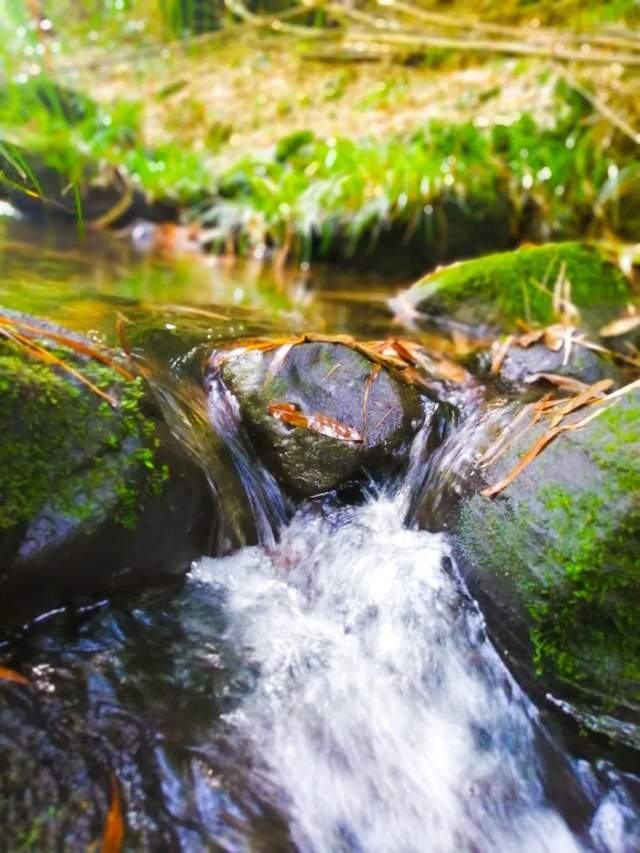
x,y
265,145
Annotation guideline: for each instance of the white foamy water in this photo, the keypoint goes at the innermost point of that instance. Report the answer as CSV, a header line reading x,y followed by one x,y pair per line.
x,y
381,714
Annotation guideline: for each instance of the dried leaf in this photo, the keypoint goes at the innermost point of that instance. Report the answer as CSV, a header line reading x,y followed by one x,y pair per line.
x,y
592,394
530,338
261,345
7,674
405,351
375,370
465,345
121,320
494,451
278,361
113,833
620,326
317,422
553,338
451,371
500,353
70,343
531,454
42,354
566,383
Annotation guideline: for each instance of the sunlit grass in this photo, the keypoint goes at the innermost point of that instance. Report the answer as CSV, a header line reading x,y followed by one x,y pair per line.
x,y
266,148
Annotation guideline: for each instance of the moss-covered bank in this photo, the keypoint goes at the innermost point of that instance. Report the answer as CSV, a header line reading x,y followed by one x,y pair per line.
x,y
85,475
556,560
499,289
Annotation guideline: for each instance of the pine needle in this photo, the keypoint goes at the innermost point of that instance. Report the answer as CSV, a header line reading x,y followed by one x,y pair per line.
x,y
42,354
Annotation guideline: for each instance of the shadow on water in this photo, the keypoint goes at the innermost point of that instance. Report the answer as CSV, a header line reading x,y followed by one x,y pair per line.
x,y
333,690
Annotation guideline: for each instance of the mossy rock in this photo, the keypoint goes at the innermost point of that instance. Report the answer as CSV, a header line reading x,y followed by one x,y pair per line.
x,y
497,290
95,497
334,380
555,560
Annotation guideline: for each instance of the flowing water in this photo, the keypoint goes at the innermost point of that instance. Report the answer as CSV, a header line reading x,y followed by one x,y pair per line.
x,y
332,688
381,713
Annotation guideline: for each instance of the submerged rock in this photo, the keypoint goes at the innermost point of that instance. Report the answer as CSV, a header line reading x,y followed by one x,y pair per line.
x,y
555,561
97,495
495,291
524,364
333,380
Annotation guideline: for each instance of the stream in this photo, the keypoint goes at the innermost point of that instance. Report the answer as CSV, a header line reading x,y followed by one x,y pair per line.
x,y
331,688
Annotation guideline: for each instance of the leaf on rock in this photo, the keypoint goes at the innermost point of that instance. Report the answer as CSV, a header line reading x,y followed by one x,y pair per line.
x,y
113,833
500,351
565,383
620,326
317,422
557,410
529,456
43,354
7,674
71,343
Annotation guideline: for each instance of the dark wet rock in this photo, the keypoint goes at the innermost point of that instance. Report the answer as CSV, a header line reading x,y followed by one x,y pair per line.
x,y
96,498
523,364
136,692
333,380
451,230
553,560
494,291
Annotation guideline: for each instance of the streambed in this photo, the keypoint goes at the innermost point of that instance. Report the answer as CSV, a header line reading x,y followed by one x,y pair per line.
x,y
333,690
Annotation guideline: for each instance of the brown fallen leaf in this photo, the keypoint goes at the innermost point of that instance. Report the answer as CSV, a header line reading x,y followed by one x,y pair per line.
x,y
42,354
70,343
553,338
113,832
375,370
500,353
594,395
401,356
566,383
529,338
7,674
529,456
620,326
317,422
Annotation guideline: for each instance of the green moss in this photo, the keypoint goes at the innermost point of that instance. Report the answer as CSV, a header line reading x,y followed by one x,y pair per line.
x,y
63,445
566,558
585,614
519,285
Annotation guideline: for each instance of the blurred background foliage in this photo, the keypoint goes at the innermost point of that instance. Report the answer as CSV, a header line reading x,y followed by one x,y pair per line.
x,y
325,124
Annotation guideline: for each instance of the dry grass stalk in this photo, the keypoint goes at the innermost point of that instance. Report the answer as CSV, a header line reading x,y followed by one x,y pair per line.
x,y
557,411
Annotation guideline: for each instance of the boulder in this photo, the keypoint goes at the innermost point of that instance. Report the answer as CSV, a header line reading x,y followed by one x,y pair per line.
x,y
340,383
97,494
495,291
554,560
524,364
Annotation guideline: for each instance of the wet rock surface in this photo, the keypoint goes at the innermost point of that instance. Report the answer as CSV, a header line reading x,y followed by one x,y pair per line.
x,y
97,494
106,702
525,364
553,560
339,383
494,291
144,690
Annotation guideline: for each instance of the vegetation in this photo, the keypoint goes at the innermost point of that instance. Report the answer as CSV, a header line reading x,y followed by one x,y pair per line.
x,y
393,146
521,285
65,445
